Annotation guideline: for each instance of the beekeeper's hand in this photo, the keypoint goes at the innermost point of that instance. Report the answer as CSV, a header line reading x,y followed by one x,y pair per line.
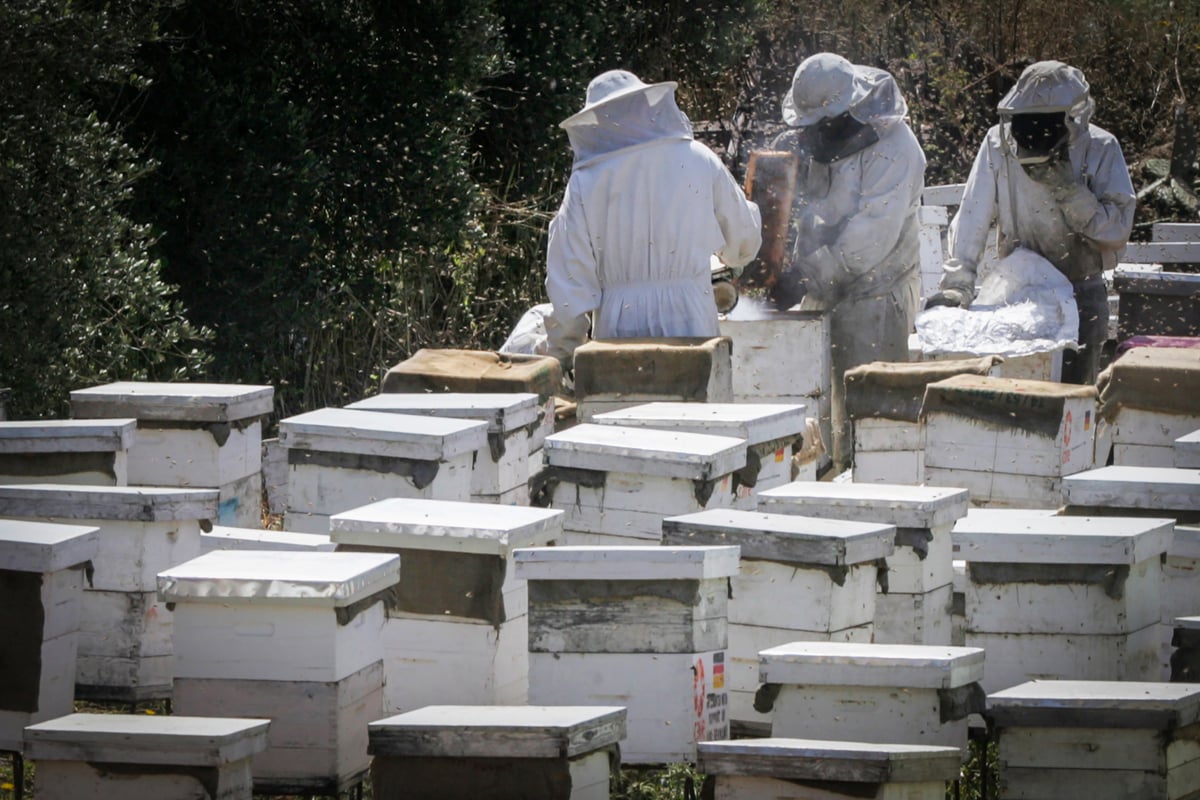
x,y
954,298
1057,174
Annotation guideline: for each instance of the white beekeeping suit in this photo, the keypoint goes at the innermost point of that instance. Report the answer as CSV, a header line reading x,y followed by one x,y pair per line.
x,y
855,216
645,209
1056,185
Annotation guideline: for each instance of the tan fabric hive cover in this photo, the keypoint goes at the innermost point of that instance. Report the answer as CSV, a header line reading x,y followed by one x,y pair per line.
x,y
1034,406
1165,379
895,390
680,367
432,370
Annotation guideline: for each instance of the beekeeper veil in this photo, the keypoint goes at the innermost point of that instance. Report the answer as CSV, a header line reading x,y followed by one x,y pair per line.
x,y
1048,109
621,111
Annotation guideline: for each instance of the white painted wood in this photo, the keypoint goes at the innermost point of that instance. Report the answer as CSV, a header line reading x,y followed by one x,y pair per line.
x,y
1030,539
671,454
445,525
755,422
854,713
125,642
1175,232
504,412
133,503
516,496
825,760
902,506
625,563
911,572
879,433
173,402
306,522
946,194
1157,488
882,665
1136,455
339,430
240,502
1080,748
634,505
766,593
1110,784
1183,252
62,601
932,221
784,355
914,618
737,787
275,475
67,436
230,538
1150,428
889,466
115,472
1087,703
1043,366
673,700
574,538
68,780
45,547
193,456
990,489
150,740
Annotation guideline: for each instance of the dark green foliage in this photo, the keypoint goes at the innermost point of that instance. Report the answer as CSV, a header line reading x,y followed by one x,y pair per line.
x,y
81,301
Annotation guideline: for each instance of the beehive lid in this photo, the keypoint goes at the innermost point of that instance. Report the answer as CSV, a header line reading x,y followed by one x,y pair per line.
x,y
1186,543
140,739
671,454
1096,704
819,760
374,433
754,422
783,538
894,504
128,503
173,402
67,436
223,537
1157,488
497,731
446,525
1187,451
626,563
502,411
45,546
1061,540
857,664
234,577
1187,623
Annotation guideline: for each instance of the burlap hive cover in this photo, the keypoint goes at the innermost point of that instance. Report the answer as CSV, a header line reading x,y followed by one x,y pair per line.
x,y
895,390
434,370
1034,406
678,367
1164,379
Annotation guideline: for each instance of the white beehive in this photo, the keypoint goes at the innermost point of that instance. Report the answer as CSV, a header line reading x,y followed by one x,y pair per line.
x,y
1162,491
800,769
533,752
94,452
124,632
340,459
645,624
800,578
615,484
137,757
1187,451
196,435
456,626
885,693
223,537
914,609
1147,438
500,474
1108,740
772,432
1010,442
42,569
1181,582
294,636
1064,597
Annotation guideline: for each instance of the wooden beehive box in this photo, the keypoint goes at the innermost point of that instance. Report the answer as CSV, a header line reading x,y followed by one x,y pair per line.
x,y
500,474
772,431
42,569
1134,491
138,757
1187,451
615,484
196,435
1149,398
648,624
885,693
1065,597
223,537
125,632
801,578
340,459
457,626
94,452
506,753
1097,739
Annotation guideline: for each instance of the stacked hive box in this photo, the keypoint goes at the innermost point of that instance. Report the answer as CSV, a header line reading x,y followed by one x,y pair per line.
x,y
883,401
646,624
194,435
913,605
222,537
501,473
615,484
801,579
456,626
1064,597
291,636
145,758
41,590
1187,451
1010,442
884,693
90,452
501,753
125,632
340,459
1097,739
772,433
1149,397
618,373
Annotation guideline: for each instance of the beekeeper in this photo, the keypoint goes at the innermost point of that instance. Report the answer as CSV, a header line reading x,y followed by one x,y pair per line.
x,y
1058,186
645,209
854,220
